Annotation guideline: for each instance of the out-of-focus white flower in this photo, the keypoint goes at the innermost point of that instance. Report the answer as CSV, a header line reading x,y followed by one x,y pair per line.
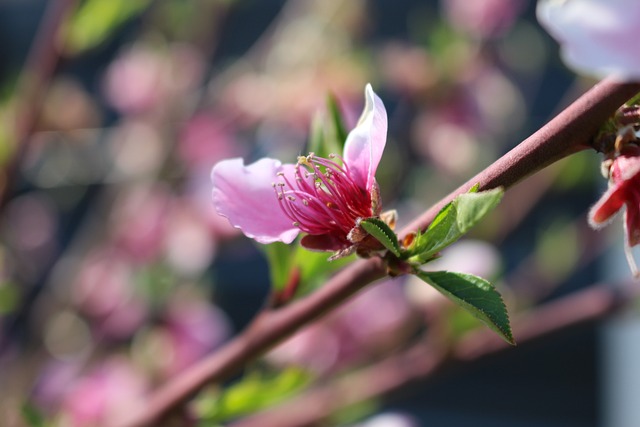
x,y
598,37
389,419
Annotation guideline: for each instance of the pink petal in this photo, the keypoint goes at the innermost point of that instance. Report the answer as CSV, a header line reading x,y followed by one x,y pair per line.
x,y
598,37
608,205
245,196
365,143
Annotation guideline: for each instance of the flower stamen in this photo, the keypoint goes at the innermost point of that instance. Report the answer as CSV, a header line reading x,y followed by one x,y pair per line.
x,y
322,198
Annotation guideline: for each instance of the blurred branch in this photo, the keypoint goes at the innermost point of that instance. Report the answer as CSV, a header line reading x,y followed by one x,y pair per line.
x,y
40,65
422,360
569,132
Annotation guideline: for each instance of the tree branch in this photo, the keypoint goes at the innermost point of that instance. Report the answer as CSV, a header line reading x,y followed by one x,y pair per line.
x,y
569,132
421,361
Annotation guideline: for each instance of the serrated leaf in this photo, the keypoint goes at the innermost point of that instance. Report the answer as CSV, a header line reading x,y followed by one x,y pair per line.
x,y
475,295
454,221
383,234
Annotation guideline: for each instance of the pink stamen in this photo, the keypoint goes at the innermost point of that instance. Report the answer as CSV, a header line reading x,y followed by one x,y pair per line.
x,y
324,199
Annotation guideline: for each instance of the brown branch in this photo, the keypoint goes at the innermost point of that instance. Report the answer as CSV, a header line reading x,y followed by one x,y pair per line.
x,y
421,361
570,131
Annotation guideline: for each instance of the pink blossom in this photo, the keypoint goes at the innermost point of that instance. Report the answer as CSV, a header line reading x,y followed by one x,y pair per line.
x,y
372,322
194,328
106,394
483,18
598,37
624,190
323,197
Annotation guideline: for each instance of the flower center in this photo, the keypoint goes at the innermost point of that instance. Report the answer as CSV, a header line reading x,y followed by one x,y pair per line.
x,y
321,197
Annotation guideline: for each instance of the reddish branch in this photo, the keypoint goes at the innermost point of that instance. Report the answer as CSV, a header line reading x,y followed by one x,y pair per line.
x,y
569,132
421,360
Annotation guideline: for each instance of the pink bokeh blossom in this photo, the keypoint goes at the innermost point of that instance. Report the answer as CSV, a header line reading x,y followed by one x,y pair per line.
x,y
483,18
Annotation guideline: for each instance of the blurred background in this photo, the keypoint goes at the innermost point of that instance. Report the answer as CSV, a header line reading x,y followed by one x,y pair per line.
x,y
117,274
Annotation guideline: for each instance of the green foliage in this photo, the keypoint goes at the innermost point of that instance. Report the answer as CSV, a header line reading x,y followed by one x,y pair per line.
x,y
452,222
383,233
328,134
337,127
474,294
351,414
155,283
313,267
255,391
9,297
279,257
32,416
96,20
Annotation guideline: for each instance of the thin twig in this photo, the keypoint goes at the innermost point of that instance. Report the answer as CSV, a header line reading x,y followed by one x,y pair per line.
x,y
40,65
569,132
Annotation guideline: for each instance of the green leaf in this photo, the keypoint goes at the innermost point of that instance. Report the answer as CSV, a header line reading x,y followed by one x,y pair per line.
x,y
279,257
472,207
475,295
383,233
255,391
452,222
328,134
32,416
337,123
315,268
317,137
95,20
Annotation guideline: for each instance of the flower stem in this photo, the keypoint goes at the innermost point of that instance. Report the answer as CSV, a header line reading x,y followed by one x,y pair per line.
x,y
570,131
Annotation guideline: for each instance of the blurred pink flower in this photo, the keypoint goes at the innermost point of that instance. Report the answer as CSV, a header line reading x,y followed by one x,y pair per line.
x,y
104,291
375,320
597,37
198,194
194,329
189,247
482,18
205,139
105,395
315,348
138,221
144,78
272,202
